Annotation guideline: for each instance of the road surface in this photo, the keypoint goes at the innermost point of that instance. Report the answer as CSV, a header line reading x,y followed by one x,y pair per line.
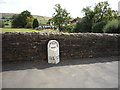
x,y
82,73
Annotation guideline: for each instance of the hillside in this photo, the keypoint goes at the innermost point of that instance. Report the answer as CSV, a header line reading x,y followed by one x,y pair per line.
x,y
41,19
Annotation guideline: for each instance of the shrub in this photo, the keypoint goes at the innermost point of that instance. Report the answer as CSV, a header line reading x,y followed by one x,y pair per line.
x,y
84,25
98,27
112,26
69,28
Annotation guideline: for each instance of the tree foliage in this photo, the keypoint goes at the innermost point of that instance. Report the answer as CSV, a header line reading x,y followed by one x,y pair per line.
x,y
112,26
103,12
21,20
98,27
83,25
61,17
35,23
29,22
95,19
69,28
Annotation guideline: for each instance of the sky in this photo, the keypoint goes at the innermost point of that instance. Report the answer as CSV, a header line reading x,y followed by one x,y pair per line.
x,y
46,7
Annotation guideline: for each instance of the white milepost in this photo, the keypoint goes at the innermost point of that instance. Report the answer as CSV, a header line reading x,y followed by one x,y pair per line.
x,y
53,52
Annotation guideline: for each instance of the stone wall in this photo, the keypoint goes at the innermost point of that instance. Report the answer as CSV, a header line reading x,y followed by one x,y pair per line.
x,y
33,45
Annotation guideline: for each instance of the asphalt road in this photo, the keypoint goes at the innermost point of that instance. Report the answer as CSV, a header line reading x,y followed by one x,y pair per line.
x,y
83,73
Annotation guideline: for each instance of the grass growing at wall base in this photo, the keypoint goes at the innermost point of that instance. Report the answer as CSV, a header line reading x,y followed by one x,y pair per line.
x,y
25,30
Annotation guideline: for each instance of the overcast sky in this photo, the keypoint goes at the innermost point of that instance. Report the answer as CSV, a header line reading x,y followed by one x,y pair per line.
x,y
45,7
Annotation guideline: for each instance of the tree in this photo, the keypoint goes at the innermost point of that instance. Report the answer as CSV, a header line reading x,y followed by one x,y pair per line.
x,y
83,25
60,17
21,20
17,22
29,22
25,15
98,27
103,12
100,15
35,23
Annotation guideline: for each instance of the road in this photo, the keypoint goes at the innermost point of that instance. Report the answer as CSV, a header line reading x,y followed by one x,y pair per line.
x,y
82,73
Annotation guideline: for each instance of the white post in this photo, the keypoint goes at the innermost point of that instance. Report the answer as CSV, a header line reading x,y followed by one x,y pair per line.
x,y
53,52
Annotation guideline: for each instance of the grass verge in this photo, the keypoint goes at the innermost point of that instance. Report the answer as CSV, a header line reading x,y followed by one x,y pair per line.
x,y
25,30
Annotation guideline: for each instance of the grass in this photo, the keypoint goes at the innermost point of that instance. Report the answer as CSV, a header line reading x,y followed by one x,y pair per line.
x,y
25,30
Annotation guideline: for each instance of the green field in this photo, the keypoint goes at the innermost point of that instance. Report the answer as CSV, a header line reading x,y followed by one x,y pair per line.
x,y
25,30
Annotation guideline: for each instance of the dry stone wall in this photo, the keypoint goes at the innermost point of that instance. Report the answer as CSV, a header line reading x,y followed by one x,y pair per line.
x,y
33,45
